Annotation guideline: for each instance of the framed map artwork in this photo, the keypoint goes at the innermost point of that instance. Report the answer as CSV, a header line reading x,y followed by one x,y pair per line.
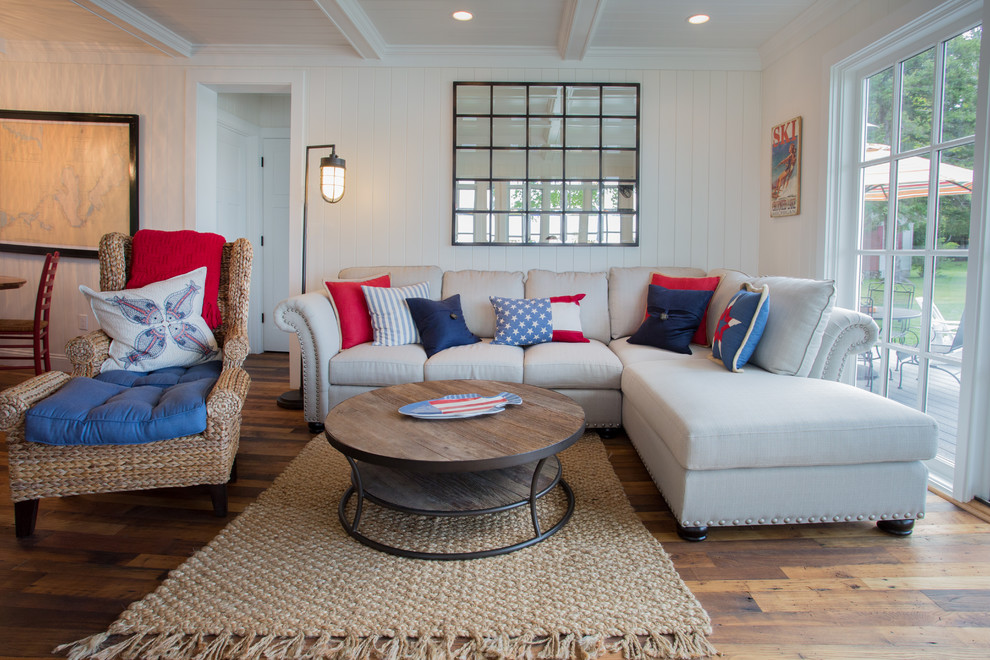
x,y
65,180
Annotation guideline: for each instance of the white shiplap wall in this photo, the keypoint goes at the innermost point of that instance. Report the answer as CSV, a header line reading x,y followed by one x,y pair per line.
x,y
700,137
153,92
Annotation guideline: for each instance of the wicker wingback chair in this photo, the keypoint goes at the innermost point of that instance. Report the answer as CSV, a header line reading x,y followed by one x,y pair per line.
x,y
40,470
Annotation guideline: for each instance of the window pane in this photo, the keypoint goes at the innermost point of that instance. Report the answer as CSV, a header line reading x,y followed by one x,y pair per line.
x,y
546,132
948,302
912,202
546,100
619,101
581,196
879,116
509,132
581,132
962,63
618,164
545,228
582,164
473,195
546,164
620,196
619,133
876,185
582,100
545,195
917,92
508,100
508,196
508,163
955,185
473,100
473,131
472,164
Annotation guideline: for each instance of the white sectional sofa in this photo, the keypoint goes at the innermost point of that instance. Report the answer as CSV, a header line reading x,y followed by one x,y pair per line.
x,y
782,442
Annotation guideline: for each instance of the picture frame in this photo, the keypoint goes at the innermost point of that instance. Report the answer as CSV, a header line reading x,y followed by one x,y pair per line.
x,y
67,179
785,168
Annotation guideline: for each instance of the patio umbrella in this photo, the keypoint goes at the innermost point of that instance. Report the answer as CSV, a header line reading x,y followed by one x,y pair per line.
x,y
912,178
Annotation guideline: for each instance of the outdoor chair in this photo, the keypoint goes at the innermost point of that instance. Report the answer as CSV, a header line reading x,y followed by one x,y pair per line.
x,y
33,333
939,347
41,470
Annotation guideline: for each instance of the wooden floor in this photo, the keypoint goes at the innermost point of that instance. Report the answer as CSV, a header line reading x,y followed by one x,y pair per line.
x,y
804,591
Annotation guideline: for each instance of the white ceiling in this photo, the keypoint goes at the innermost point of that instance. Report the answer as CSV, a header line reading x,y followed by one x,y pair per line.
x,y
387,30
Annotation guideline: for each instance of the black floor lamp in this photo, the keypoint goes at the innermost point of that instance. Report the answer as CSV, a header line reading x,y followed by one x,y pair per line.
x,y
332,171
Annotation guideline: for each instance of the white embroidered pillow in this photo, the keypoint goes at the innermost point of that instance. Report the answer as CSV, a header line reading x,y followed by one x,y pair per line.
x,y
159,325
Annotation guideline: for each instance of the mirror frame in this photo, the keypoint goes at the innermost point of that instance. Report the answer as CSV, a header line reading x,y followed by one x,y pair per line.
x,y
524,192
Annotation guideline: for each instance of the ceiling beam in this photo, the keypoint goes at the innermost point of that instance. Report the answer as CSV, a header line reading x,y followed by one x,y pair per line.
x,y
139,26
577,27
356,27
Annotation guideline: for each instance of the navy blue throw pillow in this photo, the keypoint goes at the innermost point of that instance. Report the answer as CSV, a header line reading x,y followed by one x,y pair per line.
x,y
672,316
440,323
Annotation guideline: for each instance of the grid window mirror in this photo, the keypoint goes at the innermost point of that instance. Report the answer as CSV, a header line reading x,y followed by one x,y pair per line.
x,y
546,163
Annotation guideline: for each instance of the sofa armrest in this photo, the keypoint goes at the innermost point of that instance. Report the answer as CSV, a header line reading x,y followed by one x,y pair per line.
x,y
312,318
848,333
15,400
87,352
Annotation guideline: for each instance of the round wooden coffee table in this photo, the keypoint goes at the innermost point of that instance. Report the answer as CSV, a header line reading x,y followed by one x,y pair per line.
x,y
453,467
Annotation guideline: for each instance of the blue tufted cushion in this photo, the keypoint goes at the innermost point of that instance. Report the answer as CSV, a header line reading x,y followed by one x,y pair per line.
x,y
124,408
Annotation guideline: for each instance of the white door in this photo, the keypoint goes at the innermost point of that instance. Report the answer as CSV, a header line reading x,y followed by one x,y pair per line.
x,y
275,226
238,197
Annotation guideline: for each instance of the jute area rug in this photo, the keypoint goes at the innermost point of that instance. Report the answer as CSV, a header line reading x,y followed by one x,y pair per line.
x,y
283,580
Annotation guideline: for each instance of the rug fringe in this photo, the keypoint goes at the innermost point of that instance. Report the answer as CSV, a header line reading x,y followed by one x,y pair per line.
x,y
681,645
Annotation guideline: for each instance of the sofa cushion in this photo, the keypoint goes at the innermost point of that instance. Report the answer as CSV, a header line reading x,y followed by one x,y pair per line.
x,y
594,305
125,408
440,323
557,365
391,321
351,308
156,326
729,283
741,326
672,318
399,275
635,353
378,366
475,287
627,289
761,420
481,361
799,312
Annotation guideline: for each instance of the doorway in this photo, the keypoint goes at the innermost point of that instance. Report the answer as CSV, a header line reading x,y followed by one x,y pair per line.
x,y
252,199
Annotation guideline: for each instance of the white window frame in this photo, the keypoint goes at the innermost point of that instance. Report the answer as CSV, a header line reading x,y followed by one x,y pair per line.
x,y
971,474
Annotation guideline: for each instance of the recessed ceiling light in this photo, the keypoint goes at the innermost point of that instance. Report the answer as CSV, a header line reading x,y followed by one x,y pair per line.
x,y
698,19
463,16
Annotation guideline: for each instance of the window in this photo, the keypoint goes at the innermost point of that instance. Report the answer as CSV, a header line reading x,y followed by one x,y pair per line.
x,y
909,194
546,163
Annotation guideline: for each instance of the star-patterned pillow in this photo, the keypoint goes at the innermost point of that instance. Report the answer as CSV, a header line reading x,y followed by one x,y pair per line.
x,y
523,322
156,326
740,327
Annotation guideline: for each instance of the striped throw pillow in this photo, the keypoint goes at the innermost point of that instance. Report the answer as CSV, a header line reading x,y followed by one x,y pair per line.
x,y
391,322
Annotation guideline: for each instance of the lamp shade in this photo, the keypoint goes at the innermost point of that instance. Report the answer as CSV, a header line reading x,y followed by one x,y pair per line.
x,y
332,171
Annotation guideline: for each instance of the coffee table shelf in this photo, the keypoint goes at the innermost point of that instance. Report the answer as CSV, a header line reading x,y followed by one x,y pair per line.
x,y
456,467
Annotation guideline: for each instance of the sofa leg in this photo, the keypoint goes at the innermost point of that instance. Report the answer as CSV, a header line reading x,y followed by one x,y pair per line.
x,y
233,472
218,493
315,427
692,533
896,527
25,516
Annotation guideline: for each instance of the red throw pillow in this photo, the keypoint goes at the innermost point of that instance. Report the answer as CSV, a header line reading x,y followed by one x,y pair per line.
x,y
691,284
565,313
352,309
160,255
